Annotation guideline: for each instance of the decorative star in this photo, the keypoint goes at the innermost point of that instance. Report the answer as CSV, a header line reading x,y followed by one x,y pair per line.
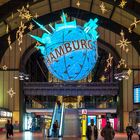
x,y
105,70
103,8
133,25
121,62
129,72
109,60
31,26
103,78
4,67
78,3
123,3
36,16
24,13
11,92
123,43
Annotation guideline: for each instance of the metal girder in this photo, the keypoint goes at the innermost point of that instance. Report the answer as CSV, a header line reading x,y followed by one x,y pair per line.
x,y
50,6
83,15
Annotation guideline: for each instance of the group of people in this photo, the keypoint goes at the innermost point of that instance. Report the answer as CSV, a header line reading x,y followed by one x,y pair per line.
x,y
9,129
107,132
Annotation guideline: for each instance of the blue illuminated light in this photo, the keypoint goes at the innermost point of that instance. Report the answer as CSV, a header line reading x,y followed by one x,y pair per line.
x,y
70,51
137,94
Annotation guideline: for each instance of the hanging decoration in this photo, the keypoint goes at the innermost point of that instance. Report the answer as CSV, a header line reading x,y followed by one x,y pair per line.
x,y
24,13
103,78
36,16
123,43
9,42
4,67
122,63
31,26
70,52
109,62
133,25
123,3
20,32
103,8
11,92
78,3
21,76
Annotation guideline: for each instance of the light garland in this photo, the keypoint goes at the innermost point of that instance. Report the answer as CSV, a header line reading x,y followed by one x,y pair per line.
x,y
11,92
109,62
123,43
123,3
20,32
133,25
103,8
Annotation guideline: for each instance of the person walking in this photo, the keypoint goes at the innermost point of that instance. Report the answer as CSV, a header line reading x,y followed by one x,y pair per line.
x,y
92,131
55,128
129,131
11,129
7,127
108,132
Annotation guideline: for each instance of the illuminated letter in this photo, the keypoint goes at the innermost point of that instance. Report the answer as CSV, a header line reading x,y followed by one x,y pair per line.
x,y
76,45
59,51
52,56
83,43
67,47
89,45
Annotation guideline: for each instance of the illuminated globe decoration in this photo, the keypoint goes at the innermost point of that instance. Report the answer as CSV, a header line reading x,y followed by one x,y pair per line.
x,y
70,52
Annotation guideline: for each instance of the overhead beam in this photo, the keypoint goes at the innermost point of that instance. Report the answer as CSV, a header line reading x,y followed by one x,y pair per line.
x,y
50,6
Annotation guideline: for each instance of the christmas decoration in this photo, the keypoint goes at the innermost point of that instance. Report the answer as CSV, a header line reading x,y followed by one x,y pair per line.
x,y
123,43
78,3
4,67
133,25
123,3
11,92
103,78
9,42
103,8
31,26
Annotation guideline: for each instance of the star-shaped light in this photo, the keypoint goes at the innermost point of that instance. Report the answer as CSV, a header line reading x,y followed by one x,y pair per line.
x,y
7,28
103,8
36,16
109,60
103,78
133,25
123,43
11,92
123,3
24,13
105,70
78,3
31,26
129,72
121,62
4,67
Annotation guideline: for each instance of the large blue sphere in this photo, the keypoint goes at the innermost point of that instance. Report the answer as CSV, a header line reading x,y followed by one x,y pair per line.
x,y
71,55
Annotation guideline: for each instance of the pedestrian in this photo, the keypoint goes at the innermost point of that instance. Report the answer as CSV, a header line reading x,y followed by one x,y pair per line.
x,y
129,131
55,128
11,129
92,131
58,104
44,130
108,132
7,127
138,130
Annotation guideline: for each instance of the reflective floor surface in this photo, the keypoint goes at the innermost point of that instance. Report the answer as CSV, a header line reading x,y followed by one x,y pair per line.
x,y
38,136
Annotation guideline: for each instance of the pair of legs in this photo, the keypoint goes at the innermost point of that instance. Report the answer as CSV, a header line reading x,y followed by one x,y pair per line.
x,y
129,137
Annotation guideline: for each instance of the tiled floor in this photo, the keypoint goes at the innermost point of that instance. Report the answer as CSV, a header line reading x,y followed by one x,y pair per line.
x,y
38,136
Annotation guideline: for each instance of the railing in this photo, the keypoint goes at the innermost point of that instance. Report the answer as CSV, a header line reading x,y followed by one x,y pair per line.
x,y
61,128
52,122
100,105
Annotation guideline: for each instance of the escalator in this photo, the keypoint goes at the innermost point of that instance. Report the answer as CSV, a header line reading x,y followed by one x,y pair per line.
x,y
58,114
71,123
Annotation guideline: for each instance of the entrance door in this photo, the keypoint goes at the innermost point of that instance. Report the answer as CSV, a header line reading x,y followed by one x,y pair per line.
x,y
70,101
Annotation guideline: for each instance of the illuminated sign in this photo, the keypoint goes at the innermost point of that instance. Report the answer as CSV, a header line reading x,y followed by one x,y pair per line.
x,y
84,111
5,113
137,94
70,52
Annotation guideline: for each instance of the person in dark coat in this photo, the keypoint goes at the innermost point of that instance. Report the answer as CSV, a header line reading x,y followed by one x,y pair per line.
x,y
129,131
7,127
92,131
11,130
108,132
55,127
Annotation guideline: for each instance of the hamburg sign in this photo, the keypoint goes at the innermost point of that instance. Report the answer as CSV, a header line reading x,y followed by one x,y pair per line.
x,y
70,52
